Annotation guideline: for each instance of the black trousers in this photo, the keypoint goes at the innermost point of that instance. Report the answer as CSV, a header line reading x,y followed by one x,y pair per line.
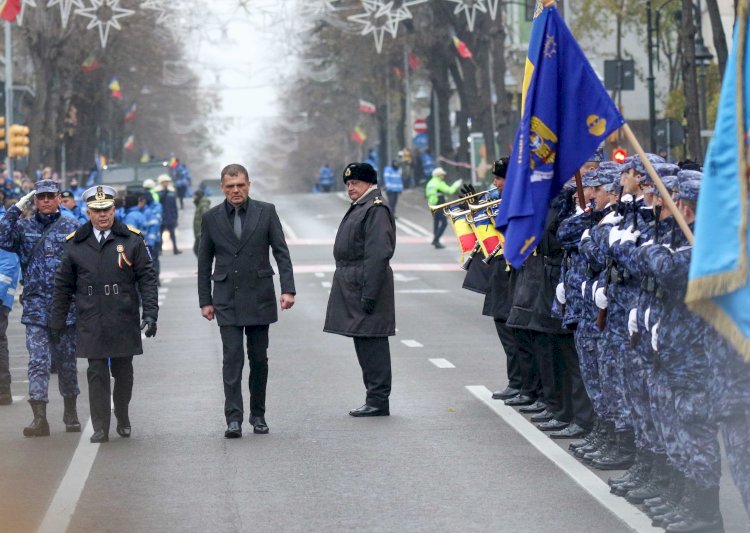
x,y
4,354
527,362
439,223
99,390
508,340
234,361
392,200
374,355
576,400
552,373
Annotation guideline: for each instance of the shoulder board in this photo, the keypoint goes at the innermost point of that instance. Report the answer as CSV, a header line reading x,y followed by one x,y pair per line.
x,y
70,236
378,201
134,229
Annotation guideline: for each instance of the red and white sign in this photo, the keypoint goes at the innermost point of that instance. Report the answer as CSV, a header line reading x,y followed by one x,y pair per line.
x,y
420,126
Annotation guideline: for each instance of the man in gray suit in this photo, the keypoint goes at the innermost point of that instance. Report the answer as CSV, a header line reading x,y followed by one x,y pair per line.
x,y
238,234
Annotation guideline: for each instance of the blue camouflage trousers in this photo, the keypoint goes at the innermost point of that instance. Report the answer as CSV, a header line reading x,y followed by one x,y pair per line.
x,y
41,351
637,375
697,436
612,347
664,415
589,362
736,433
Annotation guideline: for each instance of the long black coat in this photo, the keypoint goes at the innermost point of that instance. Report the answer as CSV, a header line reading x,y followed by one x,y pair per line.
x,y
243,291
107,291
364,245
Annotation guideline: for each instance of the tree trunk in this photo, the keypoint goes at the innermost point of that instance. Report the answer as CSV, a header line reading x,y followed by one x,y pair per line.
x,y
690,82
720,38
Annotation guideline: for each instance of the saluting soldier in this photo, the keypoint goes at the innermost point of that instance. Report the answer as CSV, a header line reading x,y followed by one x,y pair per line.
x,y
362,301
107,266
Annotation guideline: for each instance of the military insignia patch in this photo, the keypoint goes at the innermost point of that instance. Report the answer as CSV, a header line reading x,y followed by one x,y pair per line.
x,y
348,172
120,248
378,201
70,236
100,193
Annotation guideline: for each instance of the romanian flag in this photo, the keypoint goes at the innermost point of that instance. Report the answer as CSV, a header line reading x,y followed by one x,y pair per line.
x,y
484,228
173,162
130,114
114,87
129,143
367,107
90,64
145,157
358,136
718,287
9,9
462,49
461,227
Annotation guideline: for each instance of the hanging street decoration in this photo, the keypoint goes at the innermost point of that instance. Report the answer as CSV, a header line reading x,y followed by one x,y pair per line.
x,y
159,6
98,8
24,5
65,8
378,19
470,9
403,10
492,5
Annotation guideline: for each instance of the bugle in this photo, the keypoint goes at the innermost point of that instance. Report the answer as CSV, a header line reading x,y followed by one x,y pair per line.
x,y
464,199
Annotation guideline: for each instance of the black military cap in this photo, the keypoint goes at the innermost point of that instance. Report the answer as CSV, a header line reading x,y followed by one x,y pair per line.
x,y
500,167
66,194
360,171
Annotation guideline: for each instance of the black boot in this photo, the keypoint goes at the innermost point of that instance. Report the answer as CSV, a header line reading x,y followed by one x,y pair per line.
x,y
680,511
39,426
598,438
642,461
573,446
704,515
622,454
655,486
70,416
607,443
667,502
639,478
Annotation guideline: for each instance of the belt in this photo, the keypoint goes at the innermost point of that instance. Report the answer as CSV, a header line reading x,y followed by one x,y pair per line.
x,y
101,290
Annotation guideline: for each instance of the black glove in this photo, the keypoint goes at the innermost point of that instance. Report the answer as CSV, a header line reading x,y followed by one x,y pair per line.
x,y
467,190
55,334
150,325
368,305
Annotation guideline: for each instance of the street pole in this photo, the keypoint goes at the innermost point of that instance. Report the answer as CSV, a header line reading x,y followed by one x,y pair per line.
x,y
436,122
493,94
8,93
407,87
651,79
389,154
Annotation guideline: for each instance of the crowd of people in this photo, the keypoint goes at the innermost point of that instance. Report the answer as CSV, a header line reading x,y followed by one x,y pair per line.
x,y
601,346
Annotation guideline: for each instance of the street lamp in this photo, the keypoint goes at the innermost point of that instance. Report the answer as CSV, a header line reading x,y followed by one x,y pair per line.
x,y
703,59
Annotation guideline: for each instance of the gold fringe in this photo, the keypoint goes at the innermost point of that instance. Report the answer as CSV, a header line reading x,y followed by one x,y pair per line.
x,y
723,323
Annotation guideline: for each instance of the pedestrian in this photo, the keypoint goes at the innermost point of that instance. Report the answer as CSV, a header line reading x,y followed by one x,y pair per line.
x,y
69,207
325,178
134,215
182,182
202,205
170,214
394,185
435,192
107,269
362,302
38,241
238,234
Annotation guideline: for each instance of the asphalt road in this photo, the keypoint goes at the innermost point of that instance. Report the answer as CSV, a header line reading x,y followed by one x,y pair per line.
x,y
447,459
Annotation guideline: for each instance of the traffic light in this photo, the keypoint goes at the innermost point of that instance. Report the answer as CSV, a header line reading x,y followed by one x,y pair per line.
x,y
619,155
2,133
18,141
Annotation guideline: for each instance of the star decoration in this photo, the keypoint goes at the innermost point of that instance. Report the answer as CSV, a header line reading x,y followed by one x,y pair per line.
x,y
65,8
162,15
111,12
403,10
470,9
492,5
24,4
380,18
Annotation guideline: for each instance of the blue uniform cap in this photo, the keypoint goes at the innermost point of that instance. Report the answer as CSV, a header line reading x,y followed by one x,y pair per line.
x,y
44,186
598,156
689,175
670,182
688,190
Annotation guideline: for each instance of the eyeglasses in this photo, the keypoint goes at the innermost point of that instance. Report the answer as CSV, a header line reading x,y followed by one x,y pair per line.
x,y
46,195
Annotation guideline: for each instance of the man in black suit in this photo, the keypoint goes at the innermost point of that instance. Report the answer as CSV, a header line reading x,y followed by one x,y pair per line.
x,y
238,234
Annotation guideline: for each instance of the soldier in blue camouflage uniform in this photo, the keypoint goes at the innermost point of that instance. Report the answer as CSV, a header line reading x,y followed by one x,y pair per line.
x,y
39,243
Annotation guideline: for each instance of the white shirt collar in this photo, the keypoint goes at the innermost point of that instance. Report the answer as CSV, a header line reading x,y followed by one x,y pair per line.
x,y
368,191
98,233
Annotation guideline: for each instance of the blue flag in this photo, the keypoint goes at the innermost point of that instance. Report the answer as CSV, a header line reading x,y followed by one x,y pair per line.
x,y
565,115
718,289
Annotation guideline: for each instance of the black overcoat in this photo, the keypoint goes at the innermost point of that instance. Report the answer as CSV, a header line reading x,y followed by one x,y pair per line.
x,y
243,292
107,281
365,242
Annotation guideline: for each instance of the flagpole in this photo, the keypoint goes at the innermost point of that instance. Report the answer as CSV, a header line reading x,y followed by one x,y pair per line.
x,y
665,195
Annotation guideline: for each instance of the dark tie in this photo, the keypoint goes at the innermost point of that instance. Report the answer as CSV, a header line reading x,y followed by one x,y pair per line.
x,y
237,223
102,238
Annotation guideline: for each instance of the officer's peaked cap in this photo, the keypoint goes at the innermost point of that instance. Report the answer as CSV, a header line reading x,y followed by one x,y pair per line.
x,y
100,197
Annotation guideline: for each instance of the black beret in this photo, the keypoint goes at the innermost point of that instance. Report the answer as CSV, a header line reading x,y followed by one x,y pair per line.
x,y
500,167
360,171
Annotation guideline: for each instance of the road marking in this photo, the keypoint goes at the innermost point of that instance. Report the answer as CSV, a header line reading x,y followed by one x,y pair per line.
x,y
411,343
589,481
319,275
326,284
287,229
407,229
163,290
398,276
396,267
423,291
60,511
419,230
329,242
18,398
442,363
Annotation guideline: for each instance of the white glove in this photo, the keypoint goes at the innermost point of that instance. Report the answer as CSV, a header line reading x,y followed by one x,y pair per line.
x,y
583,290
24,201
586,235
614,235
560,293
629,235
646,316
593,288
579,211
655,337
627,198
613,217
600,299
457,183
648,242
633,322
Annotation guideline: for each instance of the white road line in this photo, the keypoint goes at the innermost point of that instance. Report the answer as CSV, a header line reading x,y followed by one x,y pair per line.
x,y
423,291
406,229
326,284
442,363
288,231
421,231
411,343
589,481
163,290
18,398
60,511
319,275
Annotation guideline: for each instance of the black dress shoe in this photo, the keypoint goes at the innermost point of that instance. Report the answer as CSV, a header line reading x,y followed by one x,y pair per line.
x,y
536,407
521,399
369,410
552,425
506,394
123,431
99,436
259,425
544,416
573,431
234,430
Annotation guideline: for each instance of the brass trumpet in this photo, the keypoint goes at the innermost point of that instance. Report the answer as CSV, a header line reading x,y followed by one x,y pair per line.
x,y
464,199
484,205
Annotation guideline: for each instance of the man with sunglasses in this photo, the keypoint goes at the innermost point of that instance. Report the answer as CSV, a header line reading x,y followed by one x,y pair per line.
x,y
39,242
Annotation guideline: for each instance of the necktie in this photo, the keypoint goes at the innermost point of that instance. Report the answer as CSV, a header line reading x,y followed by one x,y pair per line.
x,y
102,238
237,223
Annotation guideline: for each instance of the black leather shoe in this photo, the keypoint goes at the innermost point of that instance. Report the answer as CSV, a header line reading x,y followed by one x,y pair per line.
x,y
234,430
439,246
521,399
536,407
123,431
259,425
369,410
99,436
552,425
573,431
544,416
505,394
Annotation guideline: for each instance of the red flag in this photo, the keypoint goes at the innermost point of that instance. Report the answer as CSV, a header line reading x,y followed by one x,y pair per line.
x,y
462,49
414,61
130,114
398,73
9,9
90,65
358,136
367,107
129,143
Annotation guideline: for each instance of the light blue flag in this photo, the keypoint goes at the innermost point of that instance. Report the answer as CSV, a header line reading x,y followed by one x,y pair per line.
x,y
718,289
